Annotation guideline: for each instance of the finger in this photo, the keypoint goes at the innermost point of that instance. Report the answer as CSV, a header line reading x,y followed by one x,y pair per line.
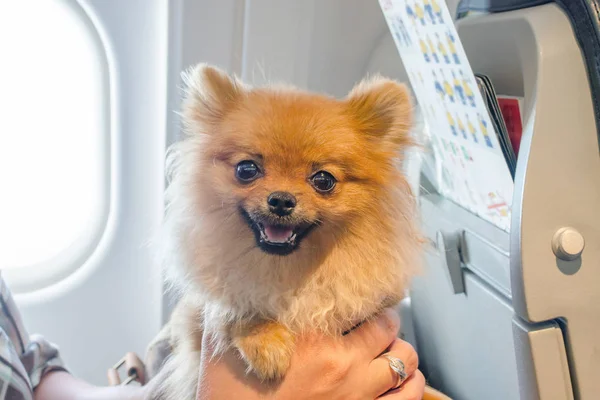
x,y
374,336
412,389
383,376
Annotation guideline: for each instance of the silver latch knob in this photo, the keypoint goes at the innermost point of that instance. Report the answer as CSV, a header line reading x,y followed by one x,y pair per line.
x,y
568,244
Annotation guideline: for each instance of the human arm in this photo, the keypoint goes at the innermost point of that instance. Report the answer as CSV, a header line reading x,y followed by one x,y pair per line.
x,y
33,359
60,385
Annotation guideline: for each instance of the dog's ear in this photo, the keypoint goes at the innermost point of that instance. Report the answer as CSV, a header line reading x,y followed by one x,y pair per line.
x,y
383,110
209,94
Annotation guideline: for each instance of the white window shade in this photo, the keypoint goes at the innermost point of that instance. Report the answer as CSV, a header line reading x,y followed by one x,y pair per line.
x,y
54,141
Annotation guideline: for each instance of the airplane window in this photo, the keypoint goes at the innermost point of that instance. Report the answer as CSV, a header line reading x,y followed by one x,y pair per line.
x,y
54,140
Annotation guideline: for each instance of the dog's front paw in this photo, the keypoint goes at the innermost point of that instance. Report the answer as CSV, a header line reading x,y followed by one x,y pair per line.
x,y
266,348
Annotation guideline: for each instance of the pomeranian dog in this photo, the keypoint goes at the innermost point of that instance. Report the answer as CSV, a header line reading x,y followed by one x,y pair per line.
x,y
287,211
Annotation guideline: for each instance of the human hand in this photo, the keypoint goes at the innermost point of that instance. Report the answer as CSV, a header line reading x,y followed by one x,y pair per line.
x,y
341,368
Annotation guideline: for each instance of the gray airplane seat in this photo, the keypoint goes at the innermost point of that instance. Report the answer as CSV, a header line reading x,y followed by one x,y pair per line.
x,y
516,315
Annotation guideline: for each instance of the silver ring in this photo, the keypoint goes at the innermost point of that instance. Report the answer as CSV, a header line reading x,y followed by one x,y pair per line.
x,y
397,366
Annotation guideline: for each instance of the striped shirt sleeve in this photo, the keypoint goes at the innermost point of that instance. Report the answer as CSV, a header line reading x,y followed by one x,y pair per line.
x,y
24,359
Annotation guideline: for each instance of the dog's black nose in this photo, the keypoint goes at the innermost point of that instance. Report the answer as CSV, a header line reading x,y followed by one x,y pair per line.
x,y
281,203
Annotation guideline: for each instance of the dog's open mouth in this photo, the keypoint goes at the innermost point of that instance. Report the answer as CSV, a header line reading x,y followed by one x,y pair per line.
x,y
277,235
279,239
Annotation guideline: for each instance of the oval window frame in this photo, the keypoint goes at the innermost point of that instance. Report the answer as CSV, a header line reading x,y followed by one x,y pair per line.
x,y
41,275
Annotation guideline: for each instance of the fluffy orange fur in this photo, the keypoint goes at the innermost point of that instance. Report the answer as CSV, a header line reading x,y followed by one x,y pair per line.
x,y
354,262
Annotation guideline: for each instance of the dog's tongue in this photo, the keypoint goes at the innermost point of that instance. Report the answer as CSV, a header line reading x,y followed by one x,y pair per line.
x,y
278,234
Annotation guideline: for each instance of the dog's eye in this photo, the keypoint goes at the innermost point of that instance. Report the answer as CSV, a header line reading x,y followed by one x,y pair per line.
x,y
247,171
323,181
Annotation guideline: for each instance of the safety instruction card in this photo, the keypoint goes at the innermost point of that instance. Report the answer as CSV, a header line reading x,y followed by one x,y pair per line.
x,y
471,168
